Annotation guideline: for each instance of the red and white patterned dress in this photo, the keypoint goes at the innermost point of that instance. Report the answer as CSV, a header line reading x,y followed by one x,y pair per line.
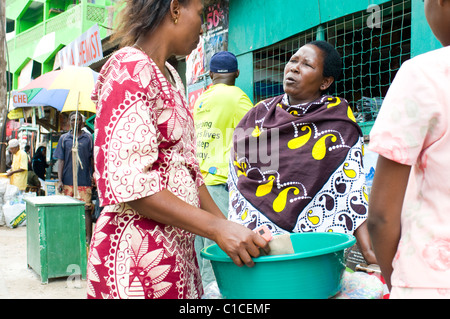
x,y
144,143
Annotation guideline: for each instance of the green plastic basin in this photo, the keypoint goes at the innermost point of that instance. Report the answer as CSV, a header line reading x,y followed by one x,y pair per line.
x,y
313,271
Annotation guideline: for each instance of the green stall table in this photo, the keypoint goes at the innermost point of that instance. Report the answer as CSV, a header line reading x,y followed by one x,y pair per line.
x,y
56,236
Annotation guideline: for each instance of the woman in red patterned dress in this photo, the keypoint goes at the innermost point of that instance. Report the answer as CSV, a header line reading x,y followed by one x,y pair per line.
x,y
147,174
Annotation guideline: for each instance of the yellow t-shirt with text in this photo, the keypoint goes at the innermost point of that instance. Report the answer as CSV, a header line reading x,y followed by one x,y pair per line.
x,y
217,112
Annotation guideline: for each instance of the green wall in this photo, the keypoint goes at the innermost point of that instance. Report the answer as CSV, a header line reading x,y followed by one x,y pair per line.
x,y
255,24
422,38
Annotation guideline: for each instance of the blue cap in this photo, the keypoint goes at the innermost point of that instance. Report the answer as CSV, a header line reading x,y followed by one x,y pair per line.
x,y
223,62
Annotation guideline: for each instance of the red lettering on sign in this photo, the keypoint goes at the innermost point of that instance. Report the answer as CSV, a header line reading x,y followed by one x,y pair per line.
x,y
94,54
20,98
96,41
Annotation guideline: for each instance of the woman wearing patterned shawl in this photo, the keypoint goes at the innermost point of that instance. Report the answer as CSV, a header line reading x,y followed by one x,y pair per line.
x,y
296,165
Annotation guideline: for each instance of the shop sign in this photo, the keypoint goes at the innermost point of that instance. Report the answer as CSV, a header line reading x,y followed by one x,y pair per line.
x,y
15,114
19,99
85,50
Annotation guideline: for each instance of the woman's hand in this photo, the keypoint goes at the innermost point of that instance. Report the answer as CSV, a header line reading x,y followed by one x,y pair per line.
x,y
239,242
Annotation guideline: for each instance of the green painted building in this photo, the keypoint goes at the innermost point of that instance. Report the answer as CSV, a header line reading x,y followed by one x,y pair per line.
x,y
373,36
37,30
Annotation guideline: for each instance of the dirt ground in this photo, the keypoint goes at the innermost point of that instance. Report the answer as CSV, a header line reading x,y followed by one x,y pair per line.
x,y
17,281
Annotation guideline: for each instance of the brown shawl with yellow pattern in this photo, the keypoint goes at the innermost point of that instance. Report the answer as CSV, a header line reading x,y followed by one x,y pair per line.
x,y
298,168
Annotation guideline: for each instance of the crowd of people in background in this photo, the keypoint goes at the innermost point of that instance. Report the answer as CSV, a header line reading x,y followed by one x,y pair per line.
x,y
29,173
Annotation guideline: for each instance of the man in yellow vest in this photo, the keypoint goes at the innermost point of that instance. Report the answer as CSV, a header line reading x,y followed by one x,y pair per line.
x,y
216,114
18,173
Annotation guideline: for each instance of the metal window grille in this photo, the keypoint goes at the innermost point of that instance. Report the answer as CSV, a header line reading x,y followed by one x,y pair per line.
x,y
96,13
371,56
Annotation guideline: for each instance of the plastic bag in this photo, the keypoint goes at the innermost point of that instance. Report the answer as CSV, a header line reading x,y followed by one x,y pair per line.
x,y
360,285
2,217
211,291
15,214
4,182
10,192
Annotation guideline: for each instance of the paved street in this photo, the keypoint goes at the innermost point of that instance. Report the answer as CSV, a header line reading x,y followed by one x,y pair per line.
x,y
18,281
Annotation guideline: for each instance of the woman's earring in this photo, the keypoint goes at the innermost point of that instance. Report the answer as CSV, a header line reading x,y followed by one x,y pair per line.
x,y
175,21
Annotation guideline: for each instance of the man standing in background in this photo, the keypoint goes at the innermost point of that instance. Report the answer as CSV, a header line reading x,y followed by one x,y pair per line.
x,y
18,173
216,113
63,153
